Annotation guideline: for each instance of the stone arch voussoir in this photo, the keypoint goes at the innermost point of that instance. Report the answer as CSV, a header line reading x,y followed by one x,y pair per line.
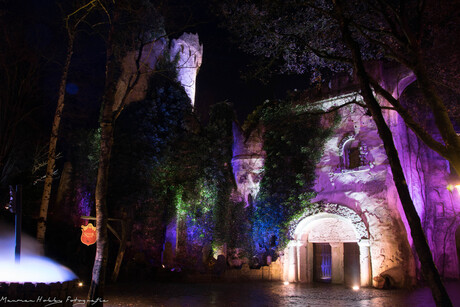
x,y
339,210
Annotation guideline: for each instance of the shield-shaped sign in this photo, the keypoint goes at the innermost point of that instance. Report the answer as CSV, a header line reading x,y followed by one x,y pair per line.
x,y
88,235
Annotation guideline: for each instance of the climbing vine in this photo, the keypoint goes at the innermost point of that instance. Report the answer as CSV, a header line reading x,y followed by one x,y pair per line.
x,y
293,144
169,166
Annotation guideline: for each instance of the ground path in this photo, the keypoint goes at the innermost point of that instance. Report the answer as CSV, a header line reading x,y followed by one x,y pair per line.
x,y
267,294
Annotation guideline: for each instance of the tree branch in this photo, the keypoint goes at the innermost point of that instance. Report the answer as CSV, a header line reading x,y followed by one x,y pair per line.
x,y
300,111
327,56
391,23
408,119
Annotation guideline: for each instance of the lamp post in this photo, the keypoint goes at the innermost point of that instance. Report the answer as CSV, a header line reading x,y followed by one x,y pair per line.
x,y
15,206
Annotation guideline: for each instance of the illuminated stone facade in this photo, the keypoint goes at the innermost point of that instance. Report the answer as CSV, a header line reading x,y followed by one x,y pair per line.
x,y
189,54
357,205
186,50
360,186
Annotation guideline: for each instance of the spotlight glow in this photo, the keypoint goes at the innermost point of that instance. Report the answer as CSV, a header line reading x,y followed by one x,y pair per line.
x,y
286,283
452,187
355,288
32,267
80,284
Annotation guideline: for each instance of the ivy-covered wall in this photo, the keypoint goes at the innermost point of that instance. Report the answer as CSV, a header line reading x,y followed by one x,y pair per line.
x,y
171,173
279,177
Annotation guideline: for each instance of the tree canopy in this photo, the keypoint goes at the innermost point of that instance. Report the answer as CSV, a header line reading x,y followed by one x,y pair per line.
x,y
306,37
360,31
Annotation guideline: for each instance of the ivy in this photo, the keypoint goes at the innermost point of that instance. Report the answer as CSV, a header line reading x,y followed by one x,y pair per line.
x,y
145,136
293,144
170,165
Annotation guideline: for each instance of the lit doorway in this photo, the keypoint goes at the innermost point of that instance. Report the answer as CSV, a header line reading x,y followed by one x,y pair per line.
x,y
322,262
351,264
317,251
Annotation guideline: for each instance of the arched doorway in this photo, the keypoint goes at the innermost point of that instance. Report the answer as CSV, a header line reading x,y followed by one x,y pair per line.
x,y
329,244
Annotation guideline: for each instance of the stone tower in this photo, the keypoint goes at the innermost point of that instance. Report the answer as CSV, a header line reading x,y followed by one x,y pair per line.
x,y
189,54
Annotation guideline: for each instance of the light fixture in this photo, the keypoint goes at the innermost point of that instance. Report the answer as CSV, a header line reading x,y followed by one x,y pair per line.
x,y
80,284
453,181
286,283
452,186
355,288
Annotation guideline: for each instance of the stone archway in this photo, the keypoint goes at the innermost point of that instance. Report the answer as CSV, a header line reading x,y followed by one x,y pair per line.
x,y
337,230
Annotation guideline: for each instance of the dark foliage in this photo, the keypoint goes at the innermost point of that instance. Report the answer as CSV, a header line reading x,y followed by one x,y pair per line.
x,y
293,144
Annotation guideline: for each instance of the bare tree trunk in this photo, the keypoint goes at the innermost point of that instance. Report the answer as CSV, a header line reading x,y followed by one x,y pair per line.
x,y
429,269
96,290
110,111
125,226
71,32
41,225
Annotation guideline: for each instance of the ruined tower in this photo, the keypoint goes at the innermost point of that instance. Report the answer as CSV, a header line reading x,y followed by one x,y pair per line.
x,y
189,54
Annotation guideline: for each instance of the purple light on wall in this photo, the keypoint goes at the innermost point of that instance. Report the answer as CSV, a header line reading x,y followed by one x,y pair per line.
x,y
84,203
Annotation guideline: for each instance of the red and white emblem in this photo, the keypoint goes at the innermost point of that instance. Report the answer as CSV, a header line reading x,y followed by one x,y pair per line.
x,y
88,235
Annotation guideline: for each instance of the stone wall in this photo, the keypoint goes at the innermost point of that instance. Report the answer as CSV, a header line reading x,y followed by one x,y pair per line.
x,y
273,272
365,186
147,64
427,176
186,50
354,173
189,54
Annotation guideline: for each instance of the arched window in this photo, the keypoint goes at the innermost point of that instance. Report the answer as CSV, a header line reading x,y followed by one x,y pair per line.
x,y
351,157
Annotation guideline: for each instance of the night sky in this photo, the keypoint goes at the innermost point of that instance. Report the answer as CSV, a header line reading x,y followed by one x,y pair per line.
x,y
219,79
221,76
